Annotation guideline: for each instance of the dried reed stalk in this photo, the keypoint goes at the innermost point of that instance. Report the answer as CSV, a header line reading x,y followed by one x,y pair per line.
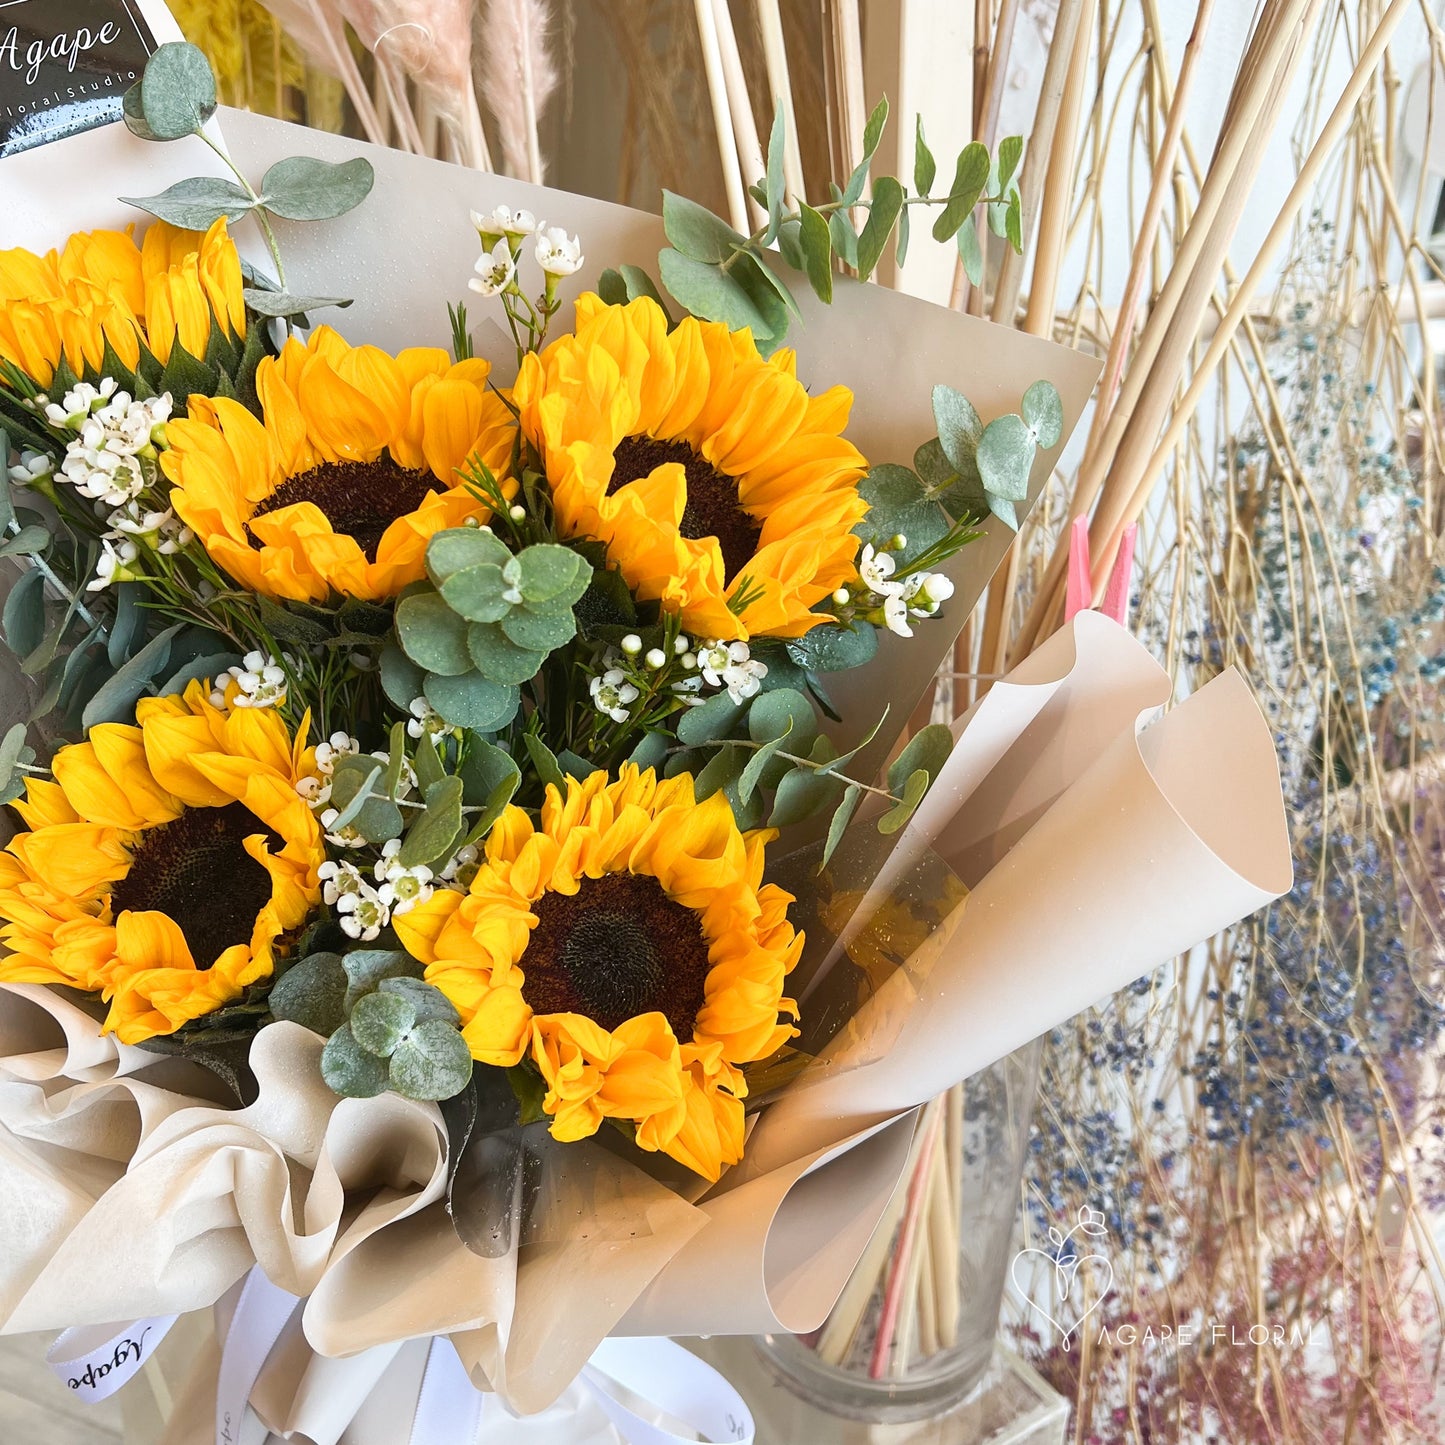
x,y
740,107
1118,506
1271,59
707,30
780,88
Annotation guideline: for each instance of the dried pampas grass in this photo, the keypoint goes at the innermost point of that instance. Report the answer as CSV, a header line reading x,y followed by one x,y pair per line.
x,y
518,76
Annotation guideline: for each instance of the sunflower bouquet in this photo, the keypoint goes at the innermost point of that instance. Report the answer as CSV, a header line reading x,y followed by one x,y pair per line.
x,y
430,756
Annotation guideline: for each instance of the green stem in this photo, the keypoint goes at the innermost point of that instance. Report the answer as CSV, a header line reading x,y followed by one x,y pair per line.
x,y
258,210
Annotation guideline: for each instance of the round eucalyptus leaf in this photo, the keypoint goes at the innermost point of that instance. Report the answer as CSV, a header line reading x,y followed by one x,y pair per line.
x,y
498,658
472,701
177,91
959,425
1043,411
927,749
716,718
432,635
427,1001
1005,456
349,1070
478,593
312,993
460,547
401,678
302,188
380,1020
433,1063
548,570
537,631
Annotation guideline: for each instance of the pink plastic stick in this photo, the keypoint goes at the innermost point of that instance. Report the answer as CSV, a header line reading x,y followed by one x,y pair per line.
x,y
1080,595
907,1236
1116,596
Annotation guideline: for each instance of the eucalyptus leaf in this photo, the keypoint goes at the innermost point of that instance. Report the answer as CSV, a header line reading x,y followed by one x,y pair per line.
x,y
1043,412
28,541
651,752
716,718
801,793
899,505
1010,152
752,774
696,232
775,188
480,594
545,762
1006,456
838,824
432,1063
11,746
845,238
349,1070
900,813
790,243
312,993
925,168
872,134
498,658
927,749
817,245
456,548
472,701
709,292
303,188
432,839
539,632
637,283
116,699
835,648
427,1001
959,426
432,635
282,303
367,968
783,713
489,779
724,767
401,678
24,617
548,572
971,253
887,202
197,203
177,91
969,178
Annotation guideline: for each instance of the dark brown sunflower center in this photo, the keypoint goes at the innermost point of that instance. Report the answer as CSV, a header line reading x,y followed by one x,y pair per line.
x,y
712,510
359,499
616,948
195,871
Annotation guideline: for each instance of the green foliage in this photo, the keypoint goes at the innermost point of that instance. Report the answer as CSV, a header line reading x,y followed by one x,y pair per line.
x,y
721,275
174,98
486,624
385,1027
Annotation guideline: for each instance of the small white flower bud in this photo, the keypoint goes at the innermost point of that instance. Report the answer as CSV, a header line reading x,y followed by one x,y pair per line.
x,y
841,596
517,513
656,657
632,644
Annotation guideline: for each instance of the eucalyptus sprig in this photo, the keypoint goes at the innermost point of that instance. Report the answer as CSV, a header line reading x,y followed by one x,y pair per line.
x,y
722,275
175,98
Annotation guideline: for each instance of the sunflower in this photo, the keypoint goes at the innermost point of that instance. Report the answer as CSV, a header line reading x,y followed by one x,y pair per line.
x,y
629,945
103,289
164,864
351,470
721,488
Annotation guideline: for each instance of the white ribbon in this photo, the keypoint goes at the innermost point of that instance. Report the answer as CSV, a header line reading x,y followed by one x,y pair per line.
x,y
449,1409
673,1380
262,1312
94,1361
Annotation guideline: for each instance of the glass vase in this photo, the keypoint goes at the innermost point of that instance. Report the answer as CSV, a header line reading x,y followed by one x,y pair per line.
x,y
913,1331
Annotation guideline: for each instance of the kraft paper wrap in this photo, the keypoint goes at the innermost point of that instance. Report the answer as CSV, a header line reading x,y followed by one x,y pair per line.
x,y
1094,851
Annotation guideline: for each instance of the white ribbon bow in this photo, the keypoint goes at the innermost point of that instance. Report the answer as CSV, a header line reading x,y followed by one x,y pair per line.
x,y
95,1361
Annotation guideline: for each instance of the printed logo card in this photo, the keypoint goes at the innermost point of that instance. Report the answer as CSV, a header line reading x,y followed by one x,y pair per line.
x,y
66,156
64,66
